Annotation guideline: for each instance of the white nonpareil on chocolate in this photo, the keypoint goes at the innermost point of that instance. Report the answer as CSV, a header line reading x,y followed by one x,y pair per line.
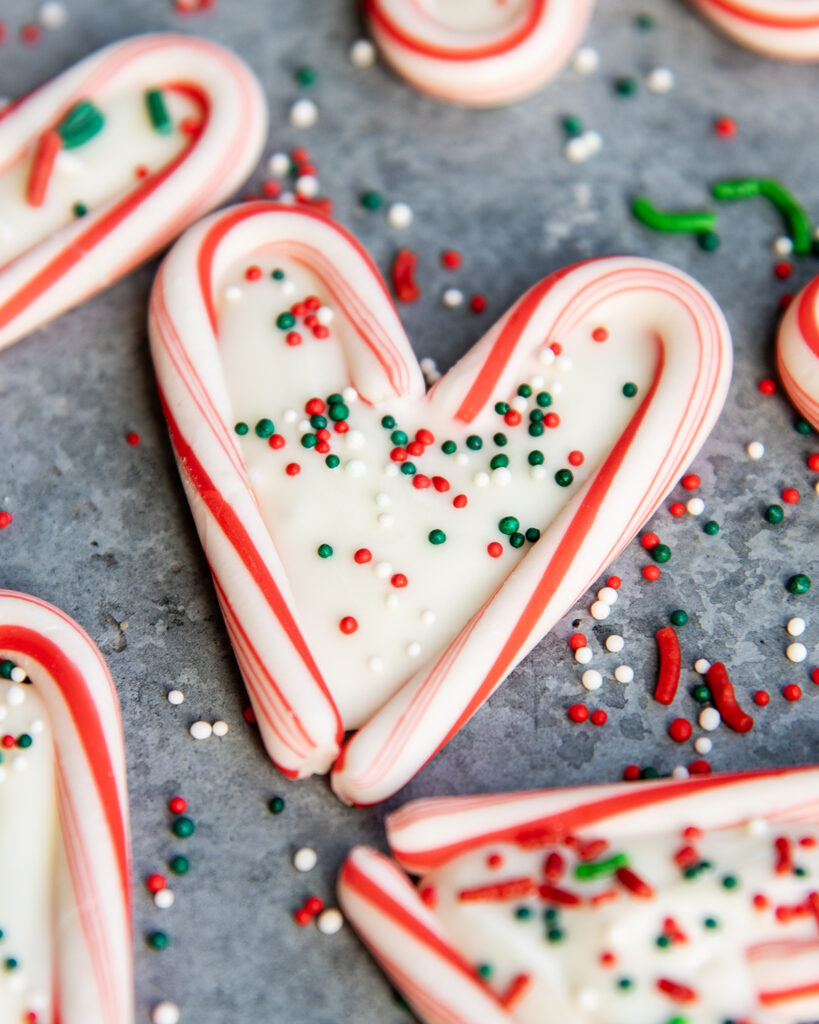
x,y
28,844
693,927
395,525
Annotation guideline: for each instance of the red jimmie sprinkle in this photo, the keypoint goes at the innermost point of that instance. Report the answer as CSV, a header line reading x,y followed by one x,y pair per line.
x,y
784,855
635,885
722,692
592,849
552,894
599,717
680,730
514,889
403,276
676,991
668,678
554,867
516,990
767,386
578,713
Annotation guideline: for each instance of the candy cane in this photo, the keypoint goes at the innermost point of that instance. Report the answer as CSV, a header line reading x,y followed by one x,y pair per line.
x,y
91,912
142,179
290,659
480,53
797,352
412,931
787,29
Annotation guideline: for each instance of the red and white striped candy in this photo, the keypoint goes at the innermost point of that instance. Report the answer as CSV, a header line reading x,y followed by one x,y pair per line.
x,y
797,352
419,955
92,946
276,643
786,29
480,53
89,253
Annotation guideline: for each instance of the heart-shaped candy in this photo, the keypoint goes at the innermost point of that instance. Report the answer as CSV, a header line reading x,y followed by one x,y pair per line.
x,y
797,352
384,557
478,52
65,889
787,29
108,162
629,903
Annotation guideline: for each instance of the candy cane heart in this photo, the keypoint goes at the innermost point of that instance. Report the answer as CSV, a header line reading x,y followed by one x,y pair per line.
x,y
785,29
797,352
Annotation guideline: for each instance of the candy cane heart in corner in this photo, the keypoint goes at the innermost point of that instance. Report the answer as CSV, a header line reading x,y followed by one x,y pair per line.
x,y
65,891
478,53
108,162
797,352
385,556
776,28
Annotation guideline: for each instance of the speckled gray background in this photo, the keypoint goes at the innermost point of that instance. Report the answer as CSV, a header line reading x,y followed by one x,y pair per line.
x,y
102,529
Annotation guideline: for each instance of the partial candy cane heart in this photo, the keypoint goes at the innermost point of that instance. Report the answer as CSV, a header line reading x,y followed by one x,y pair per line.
x,y
785,29
478,52
383,557
65,901
797,352
108,162
534,907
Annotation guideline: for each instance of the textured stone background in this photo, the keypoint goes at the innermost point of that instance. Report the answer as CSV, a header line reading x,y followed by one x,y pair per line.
x,y
102,529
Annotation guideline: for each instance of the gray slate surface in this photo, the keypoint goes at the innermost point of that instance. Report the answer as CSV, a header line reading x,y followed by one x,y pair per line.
x,y
102,529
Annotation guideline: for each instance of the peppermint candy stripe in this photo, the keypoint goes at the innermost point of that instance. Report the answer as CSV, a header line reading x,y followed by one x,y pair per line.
x,y
797,352
785,29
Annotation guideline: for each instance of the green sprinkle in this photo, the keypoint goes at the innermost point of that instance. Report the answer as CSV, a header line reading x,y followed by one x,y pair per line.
x,y
474,442
324,551
630,389
523,913
399,437
803,427
661,553
678,617
309,441
318,422
158,940
524,390
550,914
663,941
306,75
564,477
601,868
729,882
508,525
536,415
277,274
536,457
24,740
5,668
710,923
179,865
241,428
82,122
800,872
624,983
708,241
338,411
555,935
774,514
544,399
517,540
625,86
371,200
335,398
799,584
437,537
572,125
649,773
701,693
485,970
501,440
11,963
711,528
499,461
501,408
644,22
79,209
265,428
533,534
408,468
536,429
332,461
388,422
276,805
158,112
449,447
284,321
183,827
662,220
794,214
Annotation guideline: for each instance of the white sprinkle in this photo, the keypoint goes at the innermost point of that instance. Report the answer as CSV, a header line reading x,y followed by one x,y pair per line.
x,y
519,403
679,772
537,382
305,859
428,617
324,315
452,297
305,426
755,450
165,1012
52,15
564,363
304,113
391,469
383,570
577,150
19,763
68,164
201,730
233,293
614,643
588,999
583,655
17,674
330,921
376,664
796,652
660,80
278,166
608,595
600,610
36,726
164,899
695,506
624,673
703,745
710,719
391,601
176,697
399,215
502,476
783,246
796,627
290,416
287,286
545,356
220,728
362,53
349,394
758,827
413,649
355,467
556,387
586,61
537,472
354,439
480,479
6,232
307,186
15,696
594,142
701,666
382,499
591,679
385,519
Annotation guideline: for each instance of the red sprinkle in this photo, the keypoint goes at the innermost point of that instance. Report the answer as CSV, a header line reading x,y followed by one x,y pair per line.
x,y
249,716
651,572
680,730
790,496
429,896
578,713
314,905
725,127
399,455
132,438
155,883
459,501
614,582
292,469
699,768
722,692
576,641
494,861
668,678
477,303
762,698
599,717
494,549
512,418
551,420
554,867
553,894
677,992
302,917
451,259
276,441
293,338
399,580
813,462
792,692
783,270
421,482
253,273
177,805
441,484
649,541
348,625
403,276
363,555
767,386
635,885
814,675
425,437
515,889
576,458
677,509
31,34
691,481
600,334
631,772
